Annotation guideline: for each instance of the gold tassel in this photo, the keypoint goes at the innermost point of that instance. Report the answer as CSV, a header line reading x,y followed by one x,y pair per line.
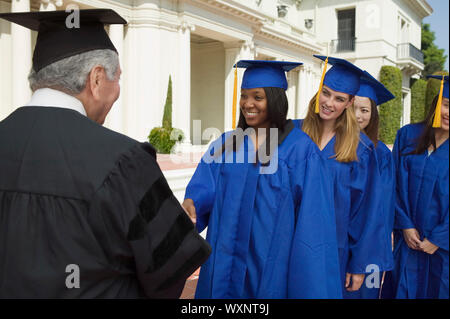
x,y
234,98
321,85
437,112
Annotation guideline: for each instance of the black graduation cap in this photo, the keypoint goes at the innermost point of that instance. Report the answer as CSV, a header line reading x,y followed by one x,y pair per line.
x,y
58,38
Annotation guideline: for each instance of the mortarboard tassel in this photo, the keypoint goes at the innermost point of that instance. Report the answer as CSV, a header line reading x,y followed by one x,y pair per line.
x,y
321,85
234,98
437,112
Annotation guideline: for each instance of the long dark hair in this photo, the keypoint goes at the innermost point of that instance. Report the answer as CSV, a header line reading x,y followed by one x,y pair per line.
x,y
427,137
277,109
371,130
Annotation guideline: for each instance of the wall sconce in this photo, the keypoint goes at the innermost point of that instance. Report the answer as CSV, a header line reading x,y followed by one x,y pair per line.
x,y
309,23
282,10
298,3
258,2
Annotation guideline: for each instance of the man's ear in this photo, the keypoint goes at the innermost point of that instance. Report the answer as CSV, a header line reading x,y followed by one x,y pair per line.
x,y
95,77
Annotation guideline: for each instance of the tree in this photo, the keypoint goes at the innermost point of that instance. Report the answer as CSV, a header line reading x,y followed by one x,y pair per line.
x,y
433,57
164,138
167,117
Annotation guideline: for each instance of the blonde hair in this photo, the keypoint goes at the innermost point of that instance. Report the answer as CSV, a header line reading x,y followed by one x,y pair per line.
x,y
346,129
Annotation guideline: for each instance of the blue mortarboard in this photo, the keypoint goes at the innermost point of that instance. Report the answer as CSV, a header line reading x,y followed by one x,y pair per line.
x,y
443,92
373,89
446,88
260,73
343,76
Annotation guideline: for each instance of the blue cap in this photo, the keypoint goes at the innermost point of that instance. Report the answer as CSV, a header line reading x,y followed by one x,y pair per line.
x,y
259,74
343,76
373,89
439,77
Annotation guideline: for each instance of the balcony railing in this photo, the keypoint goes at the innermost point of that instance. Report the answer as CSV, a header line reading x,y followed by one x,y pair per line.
x,y
343,45
408,51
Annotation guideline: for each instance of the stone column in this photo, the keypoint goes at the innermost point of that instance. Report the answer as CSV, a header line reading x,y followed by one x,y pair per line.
x,y
181,114
115,118
234,51
406,116
302,93
21,57
50,5
292,78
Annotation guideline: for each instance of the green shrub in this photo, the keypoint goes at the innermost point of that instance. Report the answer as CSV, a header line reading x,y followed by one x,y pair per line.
x,y
433,87
418,92
164,138
391,111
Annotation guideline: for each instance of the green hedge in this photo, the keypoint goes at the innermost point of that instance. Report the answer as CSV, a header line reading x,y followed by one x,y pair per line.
x,y
433,87
418,92
391,111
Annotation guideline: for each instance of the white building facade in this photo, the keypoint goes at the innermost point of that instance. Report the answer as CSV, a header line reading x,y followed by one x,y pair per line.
x,y
197,42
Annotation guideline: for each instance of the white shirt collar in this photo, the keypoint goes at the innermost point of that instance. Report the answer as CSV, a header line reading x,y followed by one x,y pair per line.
x,y
54,98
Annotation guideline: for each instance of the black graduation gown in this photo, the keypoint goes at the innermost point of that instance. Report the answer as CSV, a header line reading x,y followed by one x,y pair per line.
x,y
75,194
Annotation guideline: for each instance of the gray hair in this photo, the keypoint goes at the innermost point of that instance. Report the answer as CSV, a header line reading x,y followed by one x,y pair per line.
x,y
70,74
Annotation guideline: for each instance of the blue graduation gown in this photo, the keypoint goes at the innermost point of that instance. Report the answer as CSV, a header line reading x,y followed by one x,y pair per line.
x,y
387,172
272,235
422,203
361,227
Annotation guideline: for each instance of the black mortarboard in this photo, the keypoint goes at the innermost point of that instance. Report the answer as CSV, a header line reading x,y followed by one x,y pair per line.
x,y
56,40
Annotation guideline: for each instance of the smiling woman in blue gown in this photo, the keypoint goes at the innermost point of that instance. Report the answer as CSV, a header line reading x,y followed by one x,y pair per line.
x,y
270,223
421,216
352,161
372,93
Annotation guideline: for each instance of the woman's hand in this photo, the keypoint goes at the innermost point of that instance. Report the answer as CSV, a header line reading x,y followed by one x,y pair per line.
x,y
189,208
428,247
356,281
412,238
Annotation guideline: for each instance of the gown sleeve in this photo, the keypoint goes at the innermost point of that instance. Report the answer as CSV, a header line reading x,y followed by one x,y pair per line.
x,y
136,202
314,262
367,222
202,186
402,220
439,234
387,171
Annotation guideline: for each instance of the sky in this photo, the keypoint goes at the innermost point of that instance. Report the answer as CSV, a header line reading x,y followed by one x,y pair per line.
x,y
438,22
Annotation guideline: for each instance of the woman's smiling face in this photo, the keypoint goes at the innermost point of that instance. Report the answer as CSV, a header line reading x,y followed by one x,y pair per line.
x,y
253,104
363,111
333,103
